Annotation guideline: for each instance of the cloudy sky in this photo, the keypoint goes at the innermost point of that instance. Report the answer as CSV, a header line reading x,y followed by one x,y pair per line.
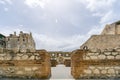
x,y
58,24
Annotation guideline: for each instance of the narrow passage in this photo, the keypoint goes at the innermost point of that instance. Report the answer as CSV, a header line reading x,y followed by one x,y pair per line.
x,y
61,72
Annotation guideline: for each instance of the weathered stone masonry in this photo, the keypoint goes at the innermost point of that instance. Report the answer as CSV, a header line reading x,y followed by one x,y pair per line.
x,y
99,56
87,64
108,39
20,59
25,64
21,42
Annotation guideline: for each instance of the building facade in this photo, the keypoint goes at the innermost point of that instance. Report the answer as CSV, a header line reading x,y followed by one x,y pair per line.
x,y
109,39
112,29
22,42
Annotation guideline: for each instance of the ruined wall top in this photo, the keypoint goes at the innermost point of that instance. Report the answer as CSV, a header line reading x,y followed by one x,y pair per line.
x,y
22,42
112,29
108,39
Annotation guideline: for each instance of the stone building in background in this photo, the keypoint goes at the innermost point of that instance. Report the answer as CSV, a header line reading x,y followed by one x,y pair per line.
x,y
2,41
112,29
109,39
22,42
60,57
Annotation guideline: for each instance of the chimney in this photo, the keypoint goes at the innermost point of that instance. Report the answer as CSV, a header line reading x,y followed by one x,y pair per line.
x,y
14,33
30,34
11,35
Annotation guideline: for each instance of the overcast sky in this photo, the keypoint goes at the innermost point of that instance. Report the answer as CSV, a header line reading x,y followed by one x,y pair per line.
x,y
58,24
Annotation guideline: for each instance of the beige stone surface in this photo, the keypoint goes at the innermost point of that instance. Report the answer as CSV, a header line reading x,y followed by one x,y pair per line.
x,y
23,42
20,65
103,66
109,39
113,28
102,42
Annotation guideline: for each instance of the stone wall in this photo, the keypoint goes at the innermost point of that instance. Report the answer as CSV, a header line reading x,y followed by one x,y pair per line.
x,y
102,42
108,39
113,29
25,65
109,29
87,64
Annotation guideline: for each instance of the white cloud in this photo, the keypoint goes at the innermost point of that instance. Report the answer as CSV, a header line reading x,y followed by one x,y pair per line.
x,y
11,29
2,2
56,20
96,5
57,44
36,3
6,9
104,9
107,17
95,30
6,2
64,43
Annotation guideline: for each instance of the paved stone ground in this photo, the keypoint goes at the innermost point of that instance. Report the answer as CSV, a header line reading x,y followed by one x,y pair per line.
x,y
61,72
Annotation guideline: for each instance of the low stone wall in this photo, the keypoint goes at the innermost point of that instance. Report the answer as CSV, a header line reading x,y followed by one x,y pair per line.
x,y
59,57
25,65
67,62
87,64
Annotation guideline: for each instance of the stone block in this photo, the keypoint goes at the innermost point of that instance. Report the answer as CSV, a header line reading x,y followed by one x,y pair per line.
x,y
93,57
117,57
28,69
1,50
23,50
3,55
110,57
34,68
114,53
107,53
2,58
96,71
102,56
88,71
24,57
17,58
103,71
111,71
32,57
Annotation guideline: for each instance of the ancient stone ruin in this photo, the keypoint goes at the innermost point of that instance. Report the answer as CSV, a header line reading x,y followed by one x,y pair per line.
x,y
21,42
95,65
109,39
59,57
20,59
99,56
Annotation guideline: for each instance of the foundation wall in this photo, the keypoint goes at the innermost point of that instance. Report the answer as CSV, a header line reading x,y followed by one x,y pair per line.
x,y
87,64
25,65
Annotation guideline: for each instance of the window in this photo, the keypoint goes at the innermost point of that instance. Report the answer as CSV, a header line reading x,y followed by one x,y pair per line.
x,y
53,54
67,55
60,54
23,39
